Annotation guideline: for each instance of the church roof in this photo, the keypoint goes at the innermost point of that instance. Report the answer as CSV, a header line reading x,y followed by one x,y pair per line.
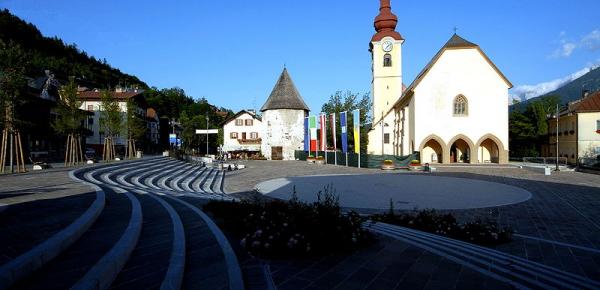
x,y
385,22
455,42
284,95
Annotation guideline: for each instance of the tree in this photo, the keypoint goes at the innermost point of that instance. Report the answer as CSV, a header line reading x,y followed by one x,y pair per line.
x,y
111,122
12,86
348,102
69,122
135,128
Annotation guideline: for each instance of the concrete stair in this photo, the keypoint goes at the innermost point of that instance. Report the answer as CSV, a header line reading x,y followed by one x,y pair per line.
x,y
141,237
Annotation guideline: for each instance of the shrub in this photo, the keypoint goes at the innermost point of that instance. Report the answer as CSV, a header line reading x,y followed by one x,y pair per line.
x,y
279,229
478,232
415,162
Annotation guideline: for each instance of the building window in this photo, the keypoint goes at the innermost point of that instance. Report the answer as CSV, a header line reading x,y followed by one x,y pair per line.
x,y
239,122
249,122
461,106
233,135
386,138
597,125
387,60
90,107
254,135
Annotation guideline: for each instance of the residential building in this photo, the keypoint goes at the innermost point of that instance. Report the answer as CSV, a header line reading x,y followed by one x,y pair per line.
x,y
578,130
153,124
242,132
91,102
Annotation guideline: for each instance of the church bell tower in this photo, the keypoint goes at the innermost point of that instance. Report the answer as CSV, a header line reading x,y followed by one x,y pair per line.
x,y
386,56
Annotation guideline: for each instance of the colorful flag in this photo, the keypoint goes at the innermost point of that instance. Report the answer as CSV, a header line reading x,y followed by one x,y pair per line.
x,y
306,135
333,131
322,123
312,124
343,124
356,128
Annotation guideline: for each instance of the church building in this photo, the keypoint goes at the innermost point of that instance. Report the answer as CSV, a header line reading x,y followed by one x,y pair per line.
x,y
456,109
283,120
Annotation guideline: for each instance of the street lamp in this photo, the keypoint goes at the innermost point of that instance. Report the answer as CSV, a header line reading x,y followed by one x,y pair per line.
x,y
557,119
206,133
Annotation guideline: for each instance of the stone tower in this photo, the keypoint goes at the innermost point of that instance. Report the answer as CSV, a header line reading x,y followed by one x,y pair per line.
x,y
283,120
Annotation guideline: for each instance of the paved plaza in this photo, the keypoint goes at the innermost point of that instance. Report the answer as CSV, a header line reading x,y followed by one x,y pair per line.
x,y
148,213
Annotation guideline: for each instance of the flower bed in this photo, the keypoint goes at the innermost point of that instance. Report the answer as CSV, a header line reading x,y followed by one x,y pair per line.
x,y
280,229
388,165
478,232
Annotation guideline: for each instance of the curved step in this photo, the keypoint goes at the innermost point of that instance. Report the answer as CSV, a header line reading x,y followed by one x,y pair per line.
x,y
74,262
513,270
170,180
140,180
186,183
105,271
148,264
41,254
176,183
234,272
195,185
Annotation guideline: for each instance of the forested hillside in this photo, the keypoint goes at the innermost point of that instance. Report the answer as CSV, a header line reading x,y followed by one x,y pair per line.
x,y
64,60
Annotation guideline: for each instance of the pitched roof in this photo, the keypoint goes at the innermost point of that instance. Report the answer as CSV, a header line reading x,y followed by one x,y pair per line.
x,y
284,95
239,114
455,42
591,103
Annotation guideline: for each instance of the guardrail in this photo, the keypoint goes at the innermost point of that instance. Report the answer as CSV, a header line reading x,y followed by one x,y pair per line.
x,y
590,163
562,161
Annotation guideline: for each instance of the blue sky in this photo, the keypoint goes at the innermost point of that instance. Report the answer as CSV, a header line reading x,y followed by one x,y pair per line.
x,y
232,52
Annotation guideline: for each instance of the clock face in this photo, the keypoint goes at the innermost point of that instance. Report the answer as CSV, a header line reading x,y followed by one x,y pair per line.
x,y
387,46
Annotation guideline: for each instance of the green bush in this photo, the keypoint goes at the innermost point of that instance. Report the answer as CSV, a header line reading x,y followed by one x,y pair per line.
x,y
280,229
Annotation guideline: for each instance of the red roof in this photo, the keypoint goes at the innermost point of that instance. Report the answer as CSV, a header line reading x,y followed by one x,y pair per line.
x,y
591,103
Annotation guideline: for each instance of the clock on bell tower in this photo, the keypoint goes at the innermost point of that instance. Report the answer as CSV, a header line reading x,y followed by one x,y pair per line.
x,y
386,56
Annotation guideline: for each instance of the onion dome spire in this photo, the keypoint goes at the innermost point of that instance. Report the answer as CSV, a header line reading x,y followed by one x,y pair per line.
x,y
385,23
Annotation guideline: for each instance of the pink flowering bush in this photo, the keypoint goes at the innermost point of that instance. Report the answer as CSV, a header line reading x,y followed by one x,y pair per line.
x,y
279,229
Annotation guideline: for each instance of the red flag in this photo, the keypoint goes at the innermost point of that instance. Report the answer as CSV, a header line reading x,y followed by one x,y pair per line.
x,y
323,132
333,131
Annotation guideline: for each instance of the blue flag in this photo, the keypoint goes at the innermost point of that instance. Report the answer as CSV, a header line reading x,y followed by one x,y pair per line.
x,y
306,136
344,132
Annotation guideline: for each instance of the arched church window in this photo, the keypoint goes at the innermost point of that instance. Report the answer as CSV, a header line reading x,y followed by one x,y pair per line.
x,y
387,60
461,106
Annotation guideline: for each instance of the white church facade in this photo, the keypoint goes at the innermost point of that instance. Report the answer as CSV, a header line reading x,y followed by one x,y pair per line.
x,y
456,110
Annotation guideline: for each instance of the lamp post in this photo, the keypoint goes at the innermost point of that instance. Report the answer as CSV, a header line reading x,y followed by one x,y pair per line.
x,y
557,115
207,134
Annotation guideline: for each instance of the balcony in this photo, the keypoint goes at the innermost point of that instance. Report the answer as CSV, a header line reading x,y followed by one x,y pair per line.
x,y
249,141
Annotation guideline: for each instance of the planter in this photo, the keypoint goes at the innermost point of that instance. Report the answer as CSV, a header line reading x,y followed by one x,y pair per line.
x,y
310,160
320,161
415,167
388,165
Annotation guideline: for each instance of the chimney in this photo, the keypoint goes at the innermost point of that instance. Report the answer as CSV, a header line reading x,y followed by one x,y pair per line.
x,y
585,93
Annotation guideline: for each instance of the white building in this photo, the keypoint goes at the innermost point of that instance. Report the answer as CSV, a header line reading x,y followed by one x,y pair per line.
x,y
91,102
283,120
242,132
456,110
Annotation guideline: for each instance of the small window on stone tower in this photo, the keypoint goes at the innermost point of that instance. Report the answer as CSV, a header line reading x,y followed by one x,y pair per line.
x,y
387,60
461,106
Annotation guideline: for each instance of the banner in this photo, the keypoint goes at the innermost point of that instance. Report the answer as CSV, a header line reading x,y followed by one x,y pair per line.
x,y
306,135
343,124
322,123
356,128
333,132
312,124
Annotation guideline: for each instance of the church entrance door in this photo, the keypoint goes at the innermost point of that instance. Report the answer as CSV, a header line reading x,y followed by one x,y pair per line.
x,y
276,153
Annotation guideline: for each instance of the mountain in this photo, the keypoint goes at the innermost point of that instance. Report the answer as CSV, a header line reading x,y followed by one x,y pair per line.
x,y
64,60
573,90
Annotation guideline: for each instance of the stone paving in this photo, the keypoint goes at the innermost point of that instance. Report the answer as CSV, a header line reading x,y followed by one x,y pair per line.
x,y
558,226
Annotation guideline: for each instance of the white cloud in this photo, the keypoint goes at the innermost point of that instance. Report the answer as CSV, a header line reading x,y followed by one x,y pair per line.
x,y
525,92
592,40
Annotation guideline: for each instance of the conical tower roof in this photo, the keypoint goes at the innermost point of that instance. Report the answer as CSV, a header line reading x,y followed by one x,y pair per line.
x,y
284,95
